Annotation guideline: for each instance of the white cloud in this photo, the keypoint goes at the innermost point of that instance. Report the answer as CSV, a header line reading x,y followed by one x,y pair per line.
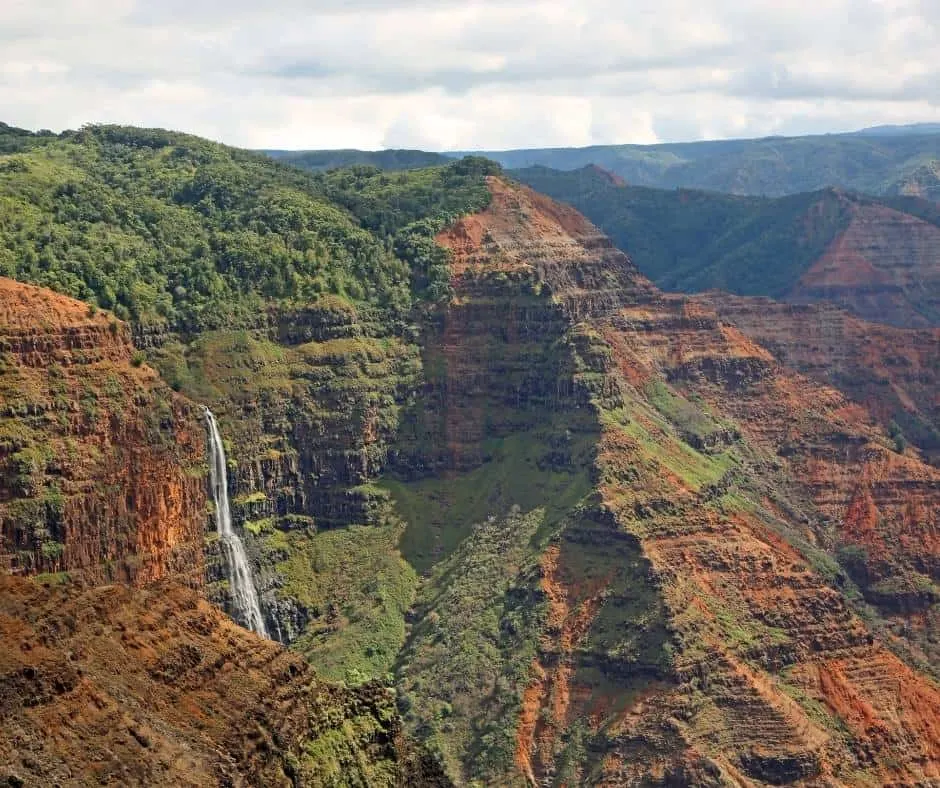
x,y
475,74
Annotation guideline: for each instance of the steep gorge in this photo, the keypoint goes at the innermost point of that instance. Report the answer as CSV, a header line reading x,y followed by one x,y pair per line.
x,y
893,372
691,624
597,534
117,670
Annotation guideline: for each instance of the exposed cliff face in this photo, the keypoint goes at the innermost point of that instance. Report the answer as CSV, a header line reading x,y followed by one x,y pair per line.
x,y
104,480
877,258
885,267
743,560
113,686
101,464
892,372
687,622
641,535
307,403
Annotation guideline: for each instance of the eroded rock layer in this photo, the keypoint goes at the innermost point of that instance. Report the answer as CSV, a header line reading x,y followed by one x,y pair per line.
x,y
885,267
115,686
659,542
893,372
101,464
693,623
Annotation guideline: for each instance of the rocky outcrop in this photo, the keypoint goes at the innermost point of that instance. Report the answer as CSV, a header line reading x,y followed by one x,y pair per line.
x,y
114,686
101,463
526,233
741,553
494,362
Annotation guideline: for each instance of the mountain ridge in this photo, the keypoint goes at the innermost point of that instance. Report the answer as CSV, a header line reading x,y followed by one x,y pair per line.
x,y
873,255
880,160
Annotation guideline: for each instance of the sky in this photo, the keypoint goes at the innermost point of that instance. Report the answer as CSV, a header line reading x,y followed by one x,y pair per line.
x,y
470,74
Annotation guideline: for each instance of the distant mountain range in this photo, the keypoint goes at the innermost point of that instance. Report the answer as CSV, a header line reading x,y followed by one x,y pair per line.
x,y
880,257
889,160
892,130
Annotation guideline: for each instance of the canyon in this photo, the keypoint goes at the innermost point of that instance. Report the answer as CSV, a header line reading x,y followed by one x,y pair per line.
x,y
556,528
120,672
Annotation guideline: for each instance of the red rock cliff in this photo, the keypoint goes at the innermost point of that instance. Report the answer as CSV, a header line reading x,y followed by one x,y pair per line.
x,y
698,630
101,463
884,266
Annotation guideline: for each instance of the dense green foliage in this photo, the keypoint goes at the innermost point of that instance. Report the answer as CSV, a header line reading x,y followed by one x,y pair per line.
x,y
167,228
774,166
317,160
478,536
890,160
691,241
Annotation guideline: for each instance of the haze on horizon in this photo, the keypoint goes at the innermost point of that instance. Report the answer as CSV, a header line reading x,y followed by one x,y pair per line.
x,y
477,74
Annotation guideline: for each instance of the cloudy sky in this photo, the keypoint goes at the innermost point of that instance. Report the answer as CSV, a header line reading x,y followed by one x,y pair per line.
x,y
469,74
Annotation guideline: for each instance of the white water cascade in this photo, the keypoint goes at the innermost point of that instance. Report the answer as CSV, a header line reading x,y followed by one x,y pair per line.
x,y
241,583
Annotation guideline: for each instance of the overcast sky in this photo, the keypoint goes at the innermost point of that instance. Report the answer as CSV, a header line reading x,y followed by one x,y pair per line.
x,y
465,74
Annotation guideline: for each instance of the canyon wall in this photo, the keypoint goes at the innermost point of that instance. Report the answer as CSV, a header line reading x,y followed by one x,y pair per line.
x,y
893,372
121,686
693,612
884,267
118,670
599,535
102,465
307,403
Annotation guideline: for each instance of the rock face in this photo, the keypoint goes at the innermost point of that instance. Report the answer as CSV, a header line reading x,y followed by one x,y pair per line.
x,y
875,257
144,682
885,267
694,625
492,363
115,686
101,463
893,372
752,579
307,403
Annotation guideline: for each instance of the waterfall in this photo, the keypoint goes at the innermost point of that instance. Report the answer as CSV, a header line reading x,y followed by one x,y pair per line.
x,y
242,585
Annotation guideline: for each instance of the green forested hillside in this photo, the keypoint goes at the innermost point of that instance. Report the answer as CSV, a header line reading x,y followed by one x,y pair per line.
x,y
167,228
690,240
318,160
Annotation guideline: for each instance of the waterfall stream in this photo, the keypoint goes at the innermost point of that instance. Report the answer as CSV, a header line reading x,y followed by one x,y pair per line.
x,y
241,583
